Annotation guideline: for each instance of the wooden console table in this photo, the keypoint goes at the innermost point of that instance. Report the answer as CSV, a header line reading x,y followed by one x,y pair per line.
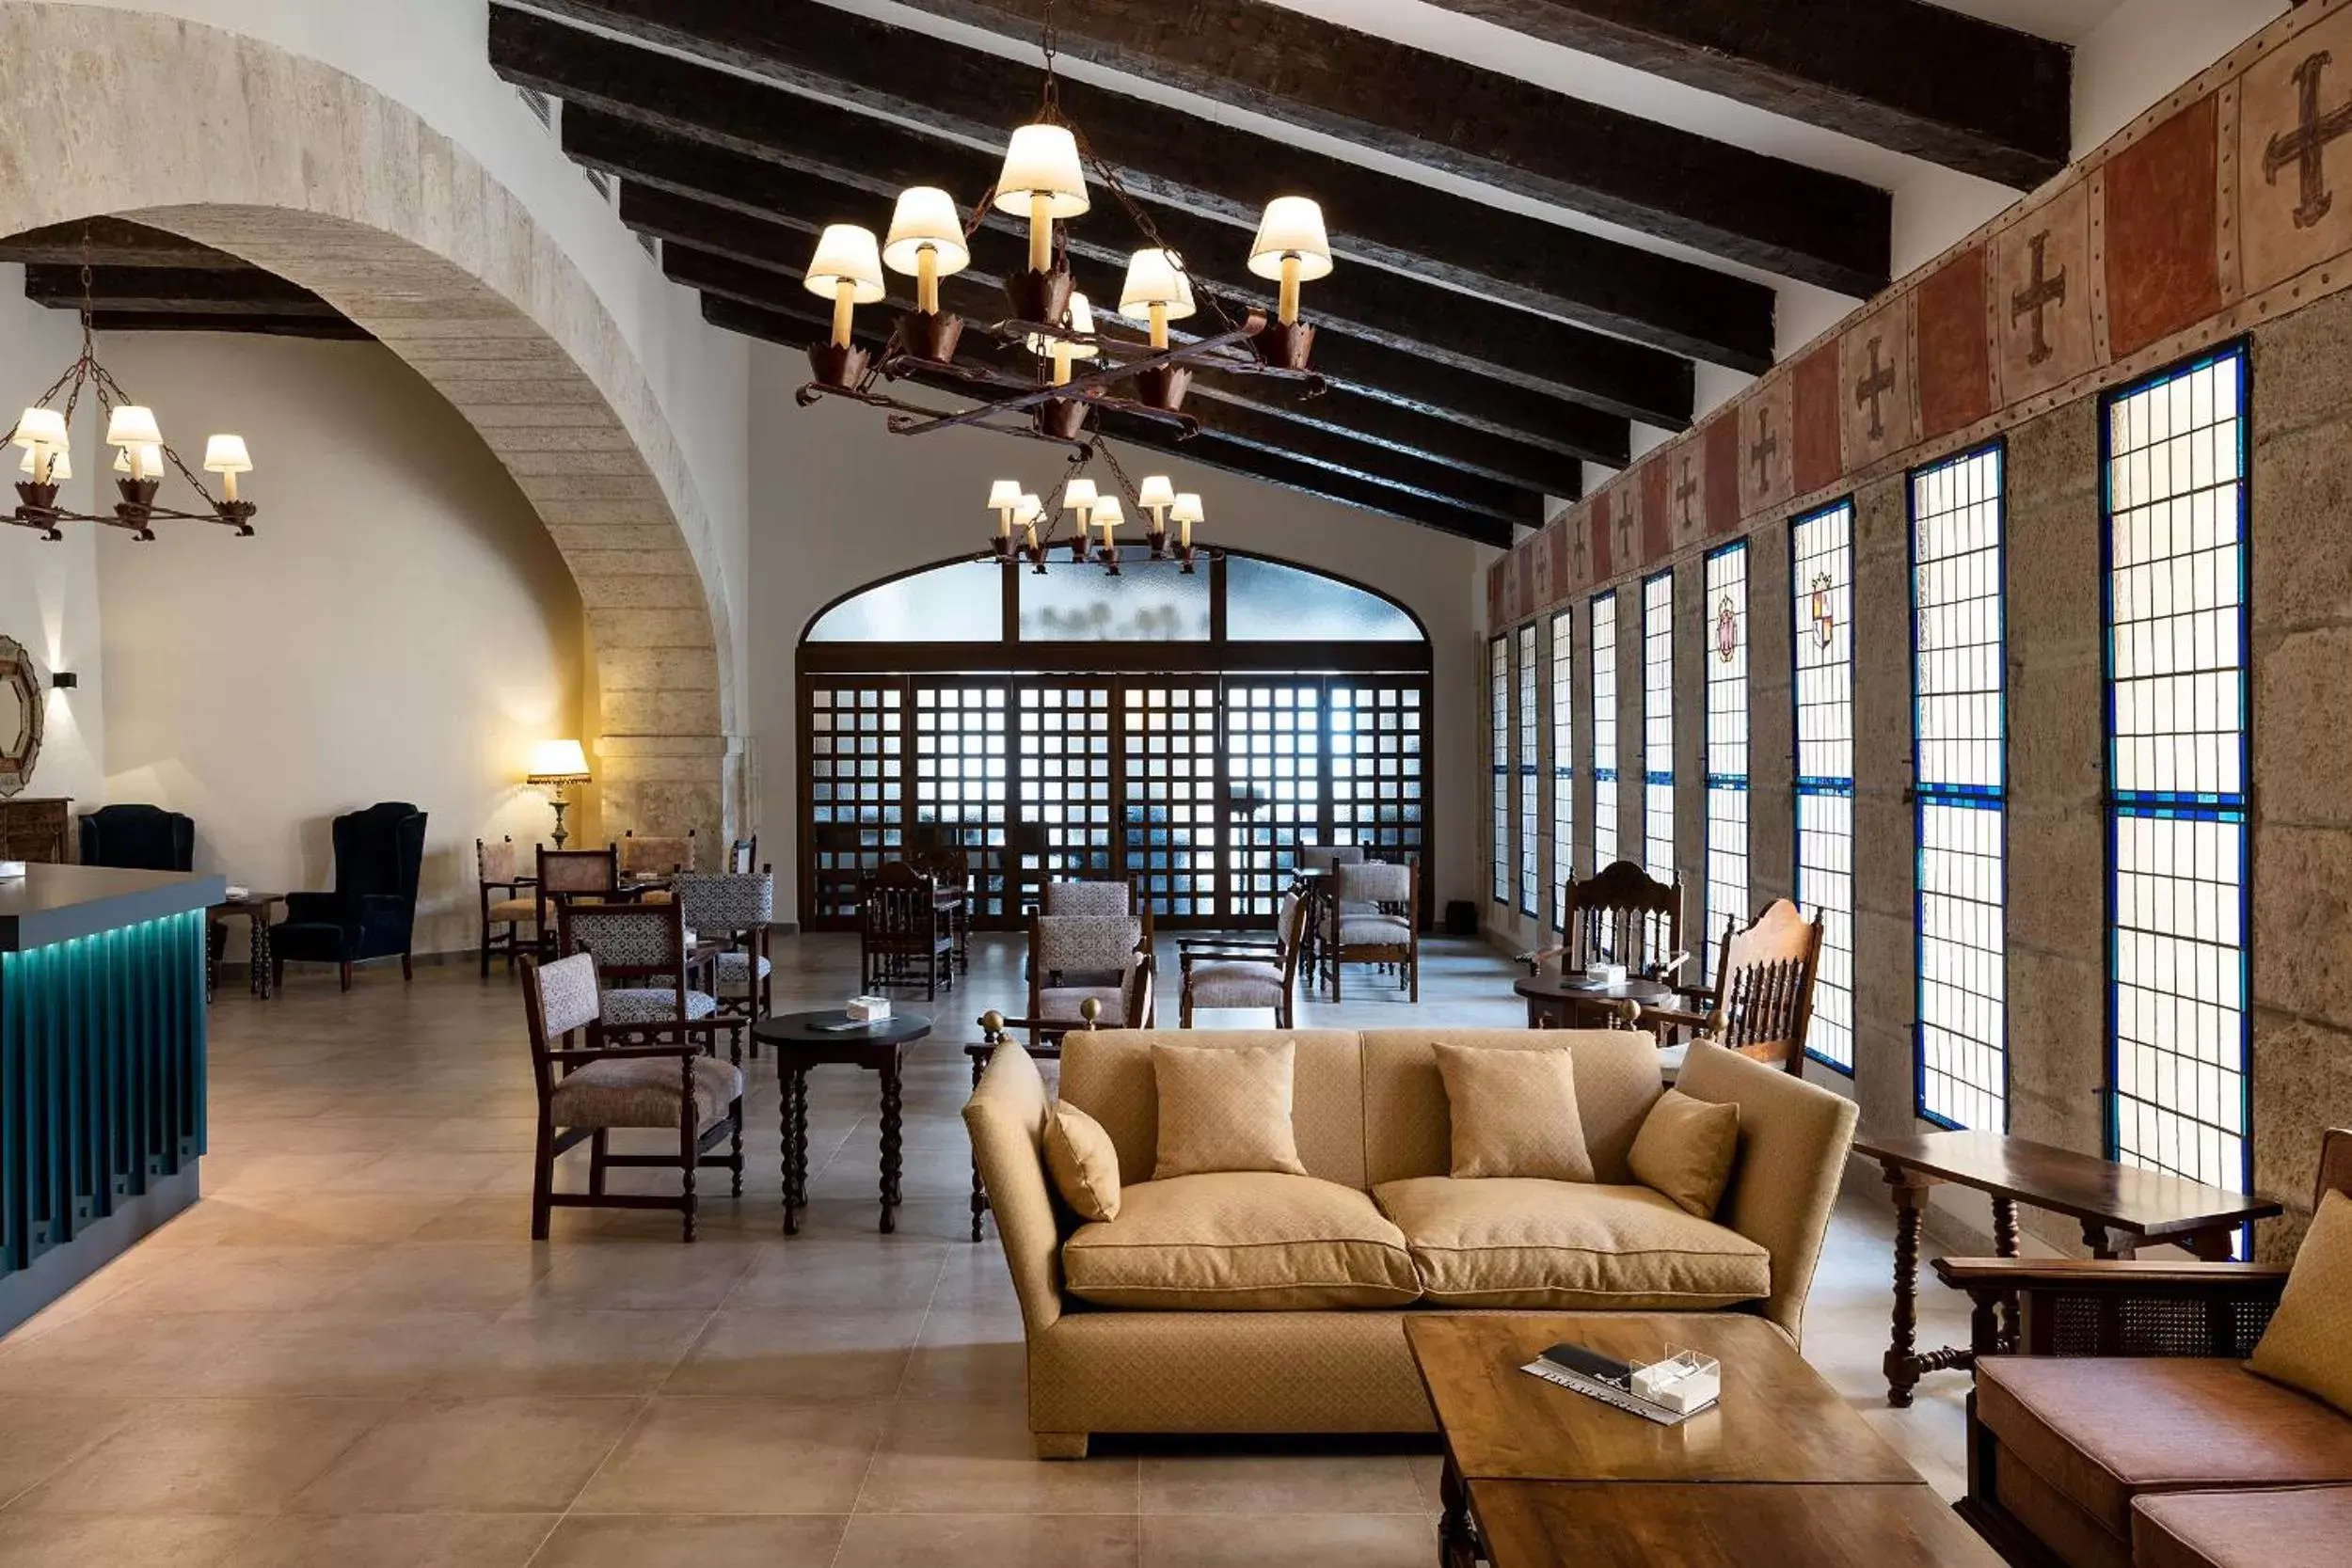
x,y
2122,1208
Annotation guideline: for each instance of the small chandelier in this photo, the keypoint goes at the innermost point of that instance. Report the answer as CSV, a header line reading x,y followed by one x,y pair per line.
x,y
1044,181
1025,510
141,454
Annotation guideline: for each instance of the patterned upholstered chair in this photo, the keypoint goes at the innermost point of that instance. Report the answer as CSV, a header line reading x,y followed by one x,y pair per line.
x,y
1238,972
643,947
1325,857
1371,920
504,917
587,1091
736,911
1087,897
1074,959
655,856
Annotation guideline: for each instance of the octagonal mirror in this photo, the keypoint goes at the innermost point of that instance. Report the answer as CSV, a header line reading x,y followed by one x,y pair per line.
x,y
21,707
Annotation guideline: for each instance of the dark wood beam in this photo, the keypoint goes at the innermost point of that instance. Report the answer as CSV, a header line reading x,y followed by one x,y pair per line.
x,y
1544,356
111,242
771,194
1477,124
793,327
777,244
335,328
771,290
1220,171
174,290
1938,83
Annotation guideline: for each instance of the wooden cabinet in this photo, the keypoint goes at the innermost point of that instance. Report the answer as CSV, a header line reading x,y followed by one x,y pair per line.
x,y
35,829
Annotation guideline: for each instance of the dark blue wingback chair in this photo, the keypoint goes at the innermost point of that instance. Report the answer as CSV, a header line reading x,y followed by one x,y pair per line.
x,y
379,854
138,838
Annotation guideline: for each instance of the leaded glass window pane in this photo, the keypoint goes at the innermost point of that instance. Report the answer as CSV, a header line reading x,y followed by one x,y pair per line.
x,y
1821,560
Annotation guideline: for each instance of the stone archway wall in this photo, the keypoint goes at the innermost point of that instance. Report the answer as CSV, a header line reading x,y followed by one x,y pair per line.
x,y
324,181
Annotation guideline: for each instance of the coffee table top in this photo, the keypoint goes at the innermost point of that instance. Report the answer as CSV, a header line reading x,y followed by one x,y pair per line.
x,y
1581,1524
1777,1422
1553,986
805,1029
2123,1197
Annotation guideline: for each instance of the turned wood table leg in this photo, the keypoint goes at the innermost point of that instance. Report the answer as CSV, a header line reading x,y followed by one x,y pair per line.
x,y
795,1119
2104,1243
892,1142
1902,1364
979,1198
1458,1540
2005,1227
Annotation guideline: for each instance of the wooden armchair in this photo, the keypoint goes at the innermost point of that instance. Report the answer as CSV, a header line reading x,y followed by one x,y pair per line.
x,y
643,947
2169,1412
1223,971
904,931
495,866
1373,917
1075,959
1762,1001
586,1092
732,912
1621,916
565,876
654,858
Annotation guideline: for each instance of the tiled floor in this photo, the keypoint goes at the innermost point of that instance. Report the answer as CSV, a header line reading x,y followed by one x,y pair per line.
x,y
350,1354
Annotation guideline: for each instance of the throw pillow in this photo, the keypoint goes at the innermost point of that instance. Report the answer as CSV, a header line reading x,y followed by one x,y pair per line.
x,y
1513,1113
1084,1166
1225,1108
2304,1345
1685,1149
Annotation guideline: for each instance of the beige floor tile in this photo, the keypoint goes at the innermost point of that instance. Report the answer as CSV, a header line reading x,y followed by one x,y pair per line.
x,y
538,1350
966,1372
632,1277
1296,1540
943,1457
446,1276
271,1219
525,1455
416,1169
1032,1541
643,1540
397,1541
345,1355
40,1436
699,1455
150,1541
802,1357
103,1356
244,1279
210,1456
833,1275
1280,1484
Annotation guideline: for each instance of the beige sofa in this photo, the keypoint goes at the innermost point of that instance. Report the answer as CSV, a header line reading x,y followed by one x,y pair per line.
x,y
1264,1303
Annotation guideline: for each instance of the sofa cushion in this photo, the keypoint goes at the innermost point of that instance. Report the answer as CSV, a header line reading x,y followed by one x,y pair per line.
x,y
1513,1113
1515,1241
1241,1241
1108,1073
1403,1119
1685,1150
2103,1430
2307,1527
643,1091
2308,1344
1225,1108
1083,1164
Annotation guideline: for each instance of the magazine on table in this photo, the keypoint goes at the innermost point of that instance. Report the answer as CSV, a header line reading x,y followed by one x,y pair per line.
x,y
1669,1391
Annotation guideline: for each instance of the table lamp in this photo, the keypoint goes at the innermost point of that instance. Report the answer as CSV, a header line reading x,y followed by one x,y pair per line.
x,y
556,764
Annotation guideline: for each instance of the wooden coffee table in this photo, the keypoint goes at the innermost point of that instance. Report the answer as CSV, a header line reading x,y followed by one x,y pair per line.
x,y
806,1041
1570,1523
1511,1439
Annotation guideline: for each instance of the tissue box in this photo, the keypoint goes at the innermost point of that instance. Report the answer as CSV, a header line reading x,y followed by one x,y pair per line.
x,y
11,871
1681,1382
868,1009
1605,975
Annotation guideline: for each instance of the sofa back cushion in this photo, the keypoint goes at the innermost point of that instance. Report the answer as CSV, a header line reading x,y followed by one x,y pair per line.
x,y
1108,1074
1405,1117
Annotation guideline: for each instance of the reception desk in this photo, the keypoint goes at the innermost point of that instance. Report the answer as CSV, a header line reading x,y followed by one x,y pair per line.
x,y
102,1069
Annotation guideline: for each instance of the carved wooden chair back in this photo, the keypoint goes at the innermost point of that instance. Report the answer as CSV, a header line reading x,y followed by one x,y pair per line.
x,y
744,856
656,855
1623,915
1764,986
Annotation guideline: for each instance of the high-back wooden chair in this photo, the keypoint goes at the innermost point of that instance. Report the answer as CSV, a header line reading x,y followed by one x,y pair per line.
x,y
515,903
567,876
744,856
1372,917
904,930
642,947
1102,958
1762,1003
1623,915
1225,971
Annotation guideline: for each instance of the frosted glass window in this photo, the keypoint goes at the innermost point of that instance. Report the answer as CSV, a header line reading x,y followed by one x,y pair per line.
x,y
1821,562
1530,782
1086,604
1267,601
1604,619
1563,763
1498,756
958,603
2176,766
1658,725
1724,643
1959,768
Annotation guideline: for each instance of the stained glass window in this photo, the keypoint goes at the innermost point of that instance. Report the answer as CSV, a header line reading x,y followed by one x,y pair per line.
x,y
1562,762
1820,568
1604,619
1724,641
1530,782
2176,676
1959,771
1499,758
1658,724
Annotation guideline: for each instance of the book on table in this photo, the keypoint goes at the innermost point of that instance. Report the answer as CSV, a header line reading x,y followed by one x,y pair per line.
x,y
1669,1390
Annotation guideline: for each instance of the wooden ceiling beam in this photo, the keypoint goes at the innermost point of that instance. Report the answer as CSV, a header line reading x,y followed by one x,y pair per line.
x,y
1220,171
790,325
1919,78
174,290
111,242
1464,120
336,328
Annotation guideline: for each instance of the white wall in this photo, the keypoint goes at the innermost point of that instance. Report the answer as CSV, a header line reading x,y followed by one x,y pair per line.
x,y
401,629
837,503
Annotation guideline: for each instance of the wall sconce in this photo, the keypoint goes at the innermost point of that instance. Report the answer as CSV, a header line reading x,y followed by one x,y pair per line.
x,y
64,680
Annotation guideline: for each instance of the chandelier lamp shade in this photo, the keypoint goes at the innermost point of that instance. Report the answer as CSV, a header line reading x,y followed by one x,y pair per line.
x,y
1092,507
1047,181
142,458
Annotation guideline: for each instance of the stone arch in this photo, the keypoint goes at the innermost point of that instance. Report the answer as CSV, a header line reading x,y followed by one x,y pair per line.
x,y
323,179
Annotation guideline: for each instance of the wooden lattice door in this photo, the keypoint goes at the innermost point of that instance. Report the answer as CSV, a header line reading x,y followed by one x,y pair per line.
x,y
1374,736
1274,789
1168,750
1064,777
856,749
962,783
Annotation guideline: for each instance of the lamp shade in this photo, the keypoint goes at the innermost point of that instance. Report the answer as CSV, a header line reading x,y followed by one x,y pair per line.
x,y
1187,508
61,466
1042,160
225,454
1293,226
132,425
1004,493
845,254
1079,494
40,427
1031,510
1158,490
925,218
150,460
1153,278
1108,513
1080,321
558,762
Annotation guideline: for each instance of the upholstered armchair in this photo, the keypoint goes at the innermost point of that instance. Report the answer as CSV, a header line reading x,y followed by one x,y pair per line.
x,y
1225,971
1076,959
138,838
372,914
503,904
643,947
1087,897
737,911
1371,918
1327,857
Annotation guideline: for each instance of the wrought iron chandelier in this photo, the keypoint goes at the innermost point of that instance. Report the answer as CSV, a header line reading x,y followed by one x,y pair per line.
x,y
1026,521
141,453
1044,181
